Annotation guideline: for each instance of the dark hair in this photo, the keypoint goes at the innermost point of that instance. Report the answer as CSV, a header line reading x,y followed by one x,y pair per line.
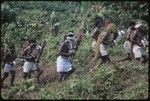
x,y
70,35
32,41
132,23
98,21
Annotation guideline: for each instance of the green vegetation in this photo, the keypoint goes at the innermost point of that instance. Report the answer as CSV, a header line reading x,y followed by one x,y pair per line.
x,y
36,19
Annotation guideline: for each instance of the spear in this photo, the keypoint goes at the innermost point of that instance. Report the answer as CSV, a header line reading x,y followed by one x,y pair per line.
x,y
42,47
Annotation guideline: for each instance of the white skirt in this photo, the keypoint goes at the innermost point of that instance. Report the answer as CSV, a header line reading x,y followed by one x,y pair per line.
x,y
138,51
8,68
63,64
28,66
93,45
103,50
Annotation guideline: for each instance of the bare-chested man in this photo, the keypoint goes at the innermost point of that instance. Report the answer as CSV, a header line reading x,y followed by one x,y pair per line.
x,y
30,54
138,48
64,65
9,60
105,39
128,45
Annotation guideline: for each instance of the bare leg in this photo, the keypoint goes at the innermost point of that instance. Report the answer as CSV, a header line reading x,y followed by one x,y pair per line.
x,y
12,77
105,59
25,75
29,74
71,71
137,61
4,77
108,59
62,76
144,59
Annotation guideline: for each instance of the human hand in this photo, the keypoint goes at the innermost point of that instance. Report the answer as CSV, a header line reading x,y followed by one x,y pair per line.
x,y
12,63
37,61
140,44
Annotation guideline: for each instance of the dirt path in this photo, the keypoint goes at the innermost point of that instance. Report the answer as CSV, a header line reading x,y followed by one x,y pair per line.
x,y
48,76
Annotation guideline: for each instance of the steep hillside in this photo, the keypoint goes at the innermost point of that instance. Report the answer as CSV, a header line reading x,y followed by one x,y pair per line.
x,y
49,21
124,80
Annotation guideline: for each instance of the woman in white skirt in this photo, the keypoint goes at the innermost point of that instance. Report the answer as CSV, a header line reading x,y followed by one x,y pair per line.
x,y
64,65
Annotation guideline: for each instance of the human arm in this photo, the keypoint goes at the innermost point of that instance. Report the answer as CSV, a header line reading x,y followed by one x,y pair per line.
x,y
64,49
133,37
24,52
101,38
94,33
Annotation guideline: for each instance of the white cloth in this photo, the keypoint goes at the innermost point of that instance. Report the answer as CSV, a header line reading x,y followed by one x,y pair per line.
x,y
93,45
103,49
145,42
138,51
8,68
28,66
38,47
63,64
127,47
119,37
138,25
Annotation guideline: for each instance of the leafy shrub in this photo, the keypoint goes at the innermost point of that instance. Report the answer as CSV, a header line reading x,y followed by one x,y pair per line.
x,y
23,87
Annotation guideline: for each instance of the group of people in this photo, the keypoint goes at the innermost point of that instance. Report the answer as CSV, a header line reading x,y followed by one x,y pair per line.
x,y
30,55
104,35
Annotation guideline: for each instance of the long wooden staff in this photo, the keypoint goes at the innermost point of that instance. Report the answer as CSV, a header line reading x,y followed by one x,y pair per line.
x,y
41,51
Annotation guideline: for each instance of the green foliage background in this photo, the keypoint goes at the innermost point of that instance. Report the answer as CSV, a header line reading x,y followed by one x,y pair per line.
x,y
21,20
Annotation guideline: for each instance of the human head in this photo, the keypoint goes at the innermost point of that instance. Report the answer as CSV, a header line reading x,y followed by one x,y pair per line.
x,y
140,29
12,48
132,24
69,36
98,21
32,43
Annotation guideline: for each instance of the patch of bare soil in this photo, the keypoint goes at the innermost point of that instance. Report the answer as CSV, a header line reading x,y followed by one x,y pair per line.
x,y
48,76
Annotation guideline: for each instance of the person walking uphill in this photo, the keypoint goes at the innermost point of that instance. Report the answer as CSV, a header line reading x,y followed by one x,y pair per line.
x,y
9,60
64,65
97,30
30,54
128,45
106,38
138,48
